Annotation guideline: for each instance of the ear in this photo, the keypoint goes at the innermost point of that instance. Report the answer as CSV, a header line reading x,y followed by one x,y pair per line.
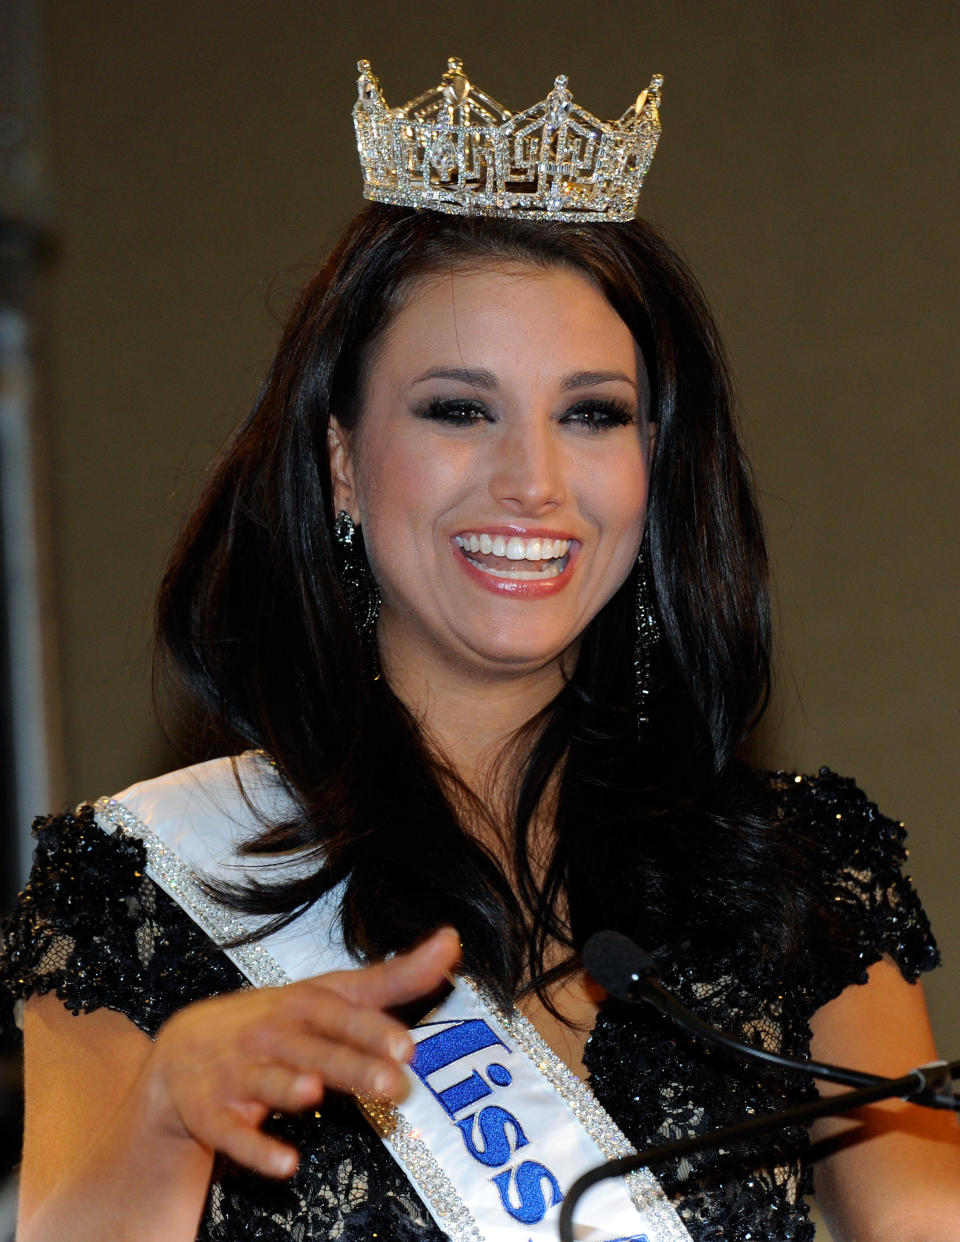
x,y
341,471
651,441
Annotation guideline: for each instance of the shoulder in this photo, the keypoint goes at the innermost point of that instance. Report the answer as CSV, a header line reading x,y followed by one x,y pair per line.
x,y
838,825
205,832
197,823
826,802
93,927
857,858
827,823
116,912
211,808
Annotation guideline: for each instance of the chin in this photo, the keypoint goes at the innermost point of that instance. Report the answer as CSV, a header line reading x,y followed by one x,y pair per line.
x,y
512,658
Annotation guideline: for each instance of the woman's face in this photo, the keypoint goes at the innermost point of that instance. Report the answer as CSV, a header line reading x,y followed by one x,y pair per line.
x,y
498,468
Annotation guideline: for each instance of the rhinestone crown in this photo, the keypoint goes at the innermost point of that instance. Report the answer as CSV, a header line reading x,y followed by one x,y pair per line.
x,y
455,149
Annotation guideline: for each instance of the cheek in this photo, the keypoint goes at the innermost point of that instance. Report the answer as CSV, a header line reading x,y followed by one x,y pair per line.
x,y
385,476
625,518
618,495
402,494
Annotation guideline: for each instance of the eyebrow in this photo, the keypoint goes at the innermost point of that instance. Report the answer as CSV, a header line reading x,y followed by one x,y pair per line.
x,y
587,379
477,377
474,376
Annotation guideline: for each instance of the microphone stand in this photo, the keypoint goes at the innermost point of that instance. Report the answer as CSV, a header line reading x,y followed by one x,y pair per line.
x,y
934,1078
630,974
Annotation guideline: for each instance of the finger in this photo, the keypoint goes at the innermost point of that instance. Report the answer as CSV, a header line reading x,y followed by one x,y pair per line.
x,y
309,1053
346,1069
403,978
280,1088
253,1149
328,1060
311,1007
316,1010
301,1065
368,1030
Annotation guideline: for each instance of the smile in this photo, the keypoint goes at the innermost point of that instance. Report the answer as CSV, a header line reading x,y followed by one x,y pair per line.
x,y
515,558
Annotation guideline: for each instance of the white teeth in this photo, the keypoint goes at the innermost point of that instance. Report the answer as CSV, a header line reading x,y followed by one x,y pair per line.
x,y
522,575
515,548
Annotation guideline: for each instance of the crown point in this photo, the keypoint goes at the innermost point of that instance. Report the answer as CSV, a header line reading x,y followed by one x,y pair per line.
x,y
454,64
368,89
558,102
456,88
561,92
363,66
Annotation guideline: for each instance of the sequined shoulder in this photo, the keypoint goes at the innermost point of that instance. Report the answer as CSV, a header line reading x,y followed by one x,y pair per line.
x,y
91,926
871,908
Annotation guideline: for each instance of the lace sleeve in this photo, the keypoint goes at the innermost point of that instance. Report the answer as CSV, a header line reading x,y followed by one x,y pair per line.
x,y
870,907
92,927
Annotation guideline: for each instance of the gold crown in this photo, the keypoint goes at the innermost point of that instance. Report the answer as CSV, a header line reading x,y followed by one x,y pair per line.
x,y
455,149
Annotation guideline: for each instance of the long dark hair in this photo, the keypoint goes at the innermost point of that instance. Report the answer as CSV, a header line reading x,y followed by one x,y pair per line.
x,y
253,619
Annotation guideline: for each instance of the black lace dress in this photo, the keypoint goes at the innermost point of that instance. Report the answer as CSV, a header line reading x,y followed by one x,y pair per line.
x,y
93,927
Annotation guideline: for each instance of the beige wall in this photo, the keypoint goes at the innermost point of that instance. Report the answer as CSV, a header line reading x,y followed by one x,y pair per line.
x,y
203,158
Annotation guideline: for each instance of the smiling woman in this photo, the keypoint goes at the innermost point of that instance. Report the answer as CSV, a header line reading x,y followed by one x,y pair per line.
x,y
478,592
535,449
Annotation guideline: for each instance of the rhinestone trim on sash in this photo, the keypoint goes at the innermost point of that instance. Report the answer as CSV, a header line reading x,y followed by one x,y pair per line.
x,y
435,1187
645,1190
195,897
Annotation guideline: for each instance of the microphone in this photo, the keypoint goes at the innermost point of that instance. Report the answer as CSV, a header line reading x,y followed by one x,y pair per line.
x,y
630,974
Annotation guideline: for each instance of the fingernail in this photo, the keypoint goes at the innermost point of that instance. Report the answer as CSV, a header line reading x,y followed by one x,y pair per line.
x,y
400,1047
448,931
285,1163
382,1082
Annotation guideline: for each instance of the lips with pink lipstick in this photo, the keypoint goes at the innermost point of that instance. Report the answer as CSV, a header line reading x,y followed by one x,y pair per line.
x,y
514,557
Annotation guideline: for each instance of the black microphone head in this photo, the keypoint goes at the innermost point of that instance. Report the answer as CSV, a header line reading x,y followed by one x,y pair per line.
x,y
617,963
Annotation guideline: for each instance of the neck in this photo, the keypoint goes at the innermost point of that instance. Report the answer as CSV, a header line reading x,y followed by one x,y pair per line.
x,y
470,718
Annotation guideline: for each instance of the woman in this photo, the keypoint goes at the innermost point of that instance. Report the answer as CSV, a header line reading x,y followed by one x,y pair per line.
x,y
480,587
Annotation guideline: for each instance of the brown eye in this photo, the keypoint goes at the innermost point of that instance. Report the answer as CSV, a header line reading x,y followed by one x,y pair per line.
x,y
600,415
455,411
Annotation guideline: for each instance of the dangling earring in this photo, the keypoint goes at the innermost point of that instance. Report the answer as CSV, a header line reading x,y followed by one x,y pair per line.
x,y
645,641
359,585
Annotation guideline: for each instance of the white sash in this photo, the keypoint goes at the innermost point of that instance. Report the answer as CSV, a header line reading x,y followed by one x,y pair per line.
x,y
495,1127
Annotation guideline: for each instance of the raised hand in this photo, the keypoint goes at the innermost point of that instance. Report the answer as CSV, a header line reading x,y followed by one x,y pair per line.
x,y
220,1066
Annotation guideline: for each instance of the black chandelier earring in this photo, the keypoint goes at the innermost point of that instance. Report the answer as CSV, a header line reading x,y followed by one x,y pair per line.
x,y
646,639
359,585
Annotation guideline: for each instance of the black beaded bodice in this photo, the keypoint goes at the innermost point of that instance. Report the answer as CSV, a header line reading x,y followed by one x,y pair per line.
x,y
94,928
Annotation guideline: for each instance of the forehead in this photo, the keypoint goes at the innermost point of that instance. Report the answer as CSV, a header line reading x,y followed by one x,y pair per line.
x,y
517,313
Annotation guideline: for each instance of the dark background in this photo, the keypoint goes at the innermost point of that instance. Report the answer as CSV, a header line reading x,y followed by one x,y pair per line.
x,y
202,160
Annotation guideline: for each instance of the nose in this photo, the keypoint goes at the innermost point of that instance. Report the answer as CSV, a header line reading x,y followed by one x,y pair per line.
x,y
527,474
